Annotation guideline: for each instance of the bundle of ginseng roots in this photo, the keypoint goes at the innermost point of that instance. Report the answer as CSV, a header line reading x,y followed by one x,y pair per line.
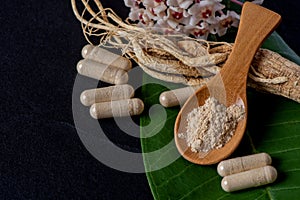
x,y
182,59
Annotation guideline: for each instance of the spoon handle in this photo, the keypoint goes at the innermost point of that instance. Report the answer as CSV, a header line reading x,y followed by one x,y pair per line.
x,y
255,25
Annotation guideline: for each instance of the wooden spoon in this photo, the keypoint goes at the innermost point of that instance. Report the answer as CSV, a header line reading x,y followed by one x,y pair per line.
x,y
229,86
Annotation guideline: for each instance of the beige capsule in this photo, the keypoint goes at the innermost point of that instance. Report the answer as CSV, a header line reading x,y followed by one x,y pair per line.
x,y
251,178
102,72
111,93
119,108
240,164
104,56
176,97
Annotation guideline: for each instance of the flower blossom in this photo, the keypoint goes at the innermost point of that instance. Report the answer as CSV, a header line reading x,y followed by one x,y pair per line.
x,y
226,21
205,10
192,17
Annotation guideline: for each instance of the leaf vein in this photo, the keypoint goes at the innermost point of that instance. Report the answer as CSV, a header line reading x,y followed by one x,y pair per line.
x,y
223,196
267,192
159,158
292,170
285,150
199,186
287,188
172,177
283,123
153,95
283,138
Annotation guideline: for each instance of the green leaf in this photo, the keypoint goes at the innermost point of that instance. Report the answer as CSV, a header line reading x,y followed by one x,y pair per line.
x,y
273,127
276,43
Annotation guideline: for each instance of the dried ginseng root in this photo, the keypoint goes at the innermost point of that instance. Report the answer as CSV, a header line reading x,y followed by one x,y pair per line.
x,y
275,74
174,78
181,59
162,61
270,72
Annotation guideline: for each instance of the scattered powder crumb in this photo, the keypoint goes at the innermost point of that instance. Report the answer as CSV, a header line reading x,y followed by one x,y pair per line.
x,y
212,125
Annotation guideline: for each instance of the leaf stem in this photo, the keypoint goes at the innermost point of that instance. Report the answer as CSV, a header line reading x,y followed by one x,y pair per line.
x,y
237,2
251,142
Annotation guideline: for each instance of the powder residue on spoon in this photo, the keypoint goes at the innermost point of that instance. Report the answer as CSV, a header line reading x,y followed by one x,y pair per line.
x,y
212,125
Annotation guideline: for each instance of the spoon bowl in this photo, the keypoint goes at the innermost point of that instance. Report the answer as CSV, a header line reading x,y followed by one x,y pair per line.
x,y
229,86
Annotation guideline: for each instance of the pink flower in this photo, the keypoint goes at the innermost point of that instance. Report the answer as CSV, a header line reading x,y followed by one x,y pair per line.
x,y
192,17
176,16
142,16
226,21
184,4
156,7
200,31
205,10
132,3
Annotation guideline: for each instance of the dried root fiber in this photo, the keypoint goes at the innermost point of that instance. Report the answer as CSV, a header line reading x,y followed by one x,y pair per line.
x,y
182,59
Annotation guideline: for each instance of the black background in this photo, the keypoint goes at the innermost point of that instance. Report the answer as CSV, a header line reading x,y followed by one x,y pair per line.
x,y
41,155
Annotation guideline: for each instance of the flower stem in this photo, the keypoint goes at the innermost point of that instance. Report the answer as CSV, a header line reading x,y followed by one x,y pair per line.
x,y
237,2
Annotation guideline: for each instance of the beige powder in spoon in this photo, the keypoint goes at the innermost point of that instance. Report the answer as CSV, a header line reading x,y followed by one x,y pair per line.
x,y
212,125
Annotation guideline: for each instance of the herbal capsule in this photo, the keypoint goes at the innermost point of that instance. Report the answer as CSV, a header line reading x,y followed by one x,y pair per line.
x,y
176,97
240,164
120,108
111,93
103,72
106,57
252,178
